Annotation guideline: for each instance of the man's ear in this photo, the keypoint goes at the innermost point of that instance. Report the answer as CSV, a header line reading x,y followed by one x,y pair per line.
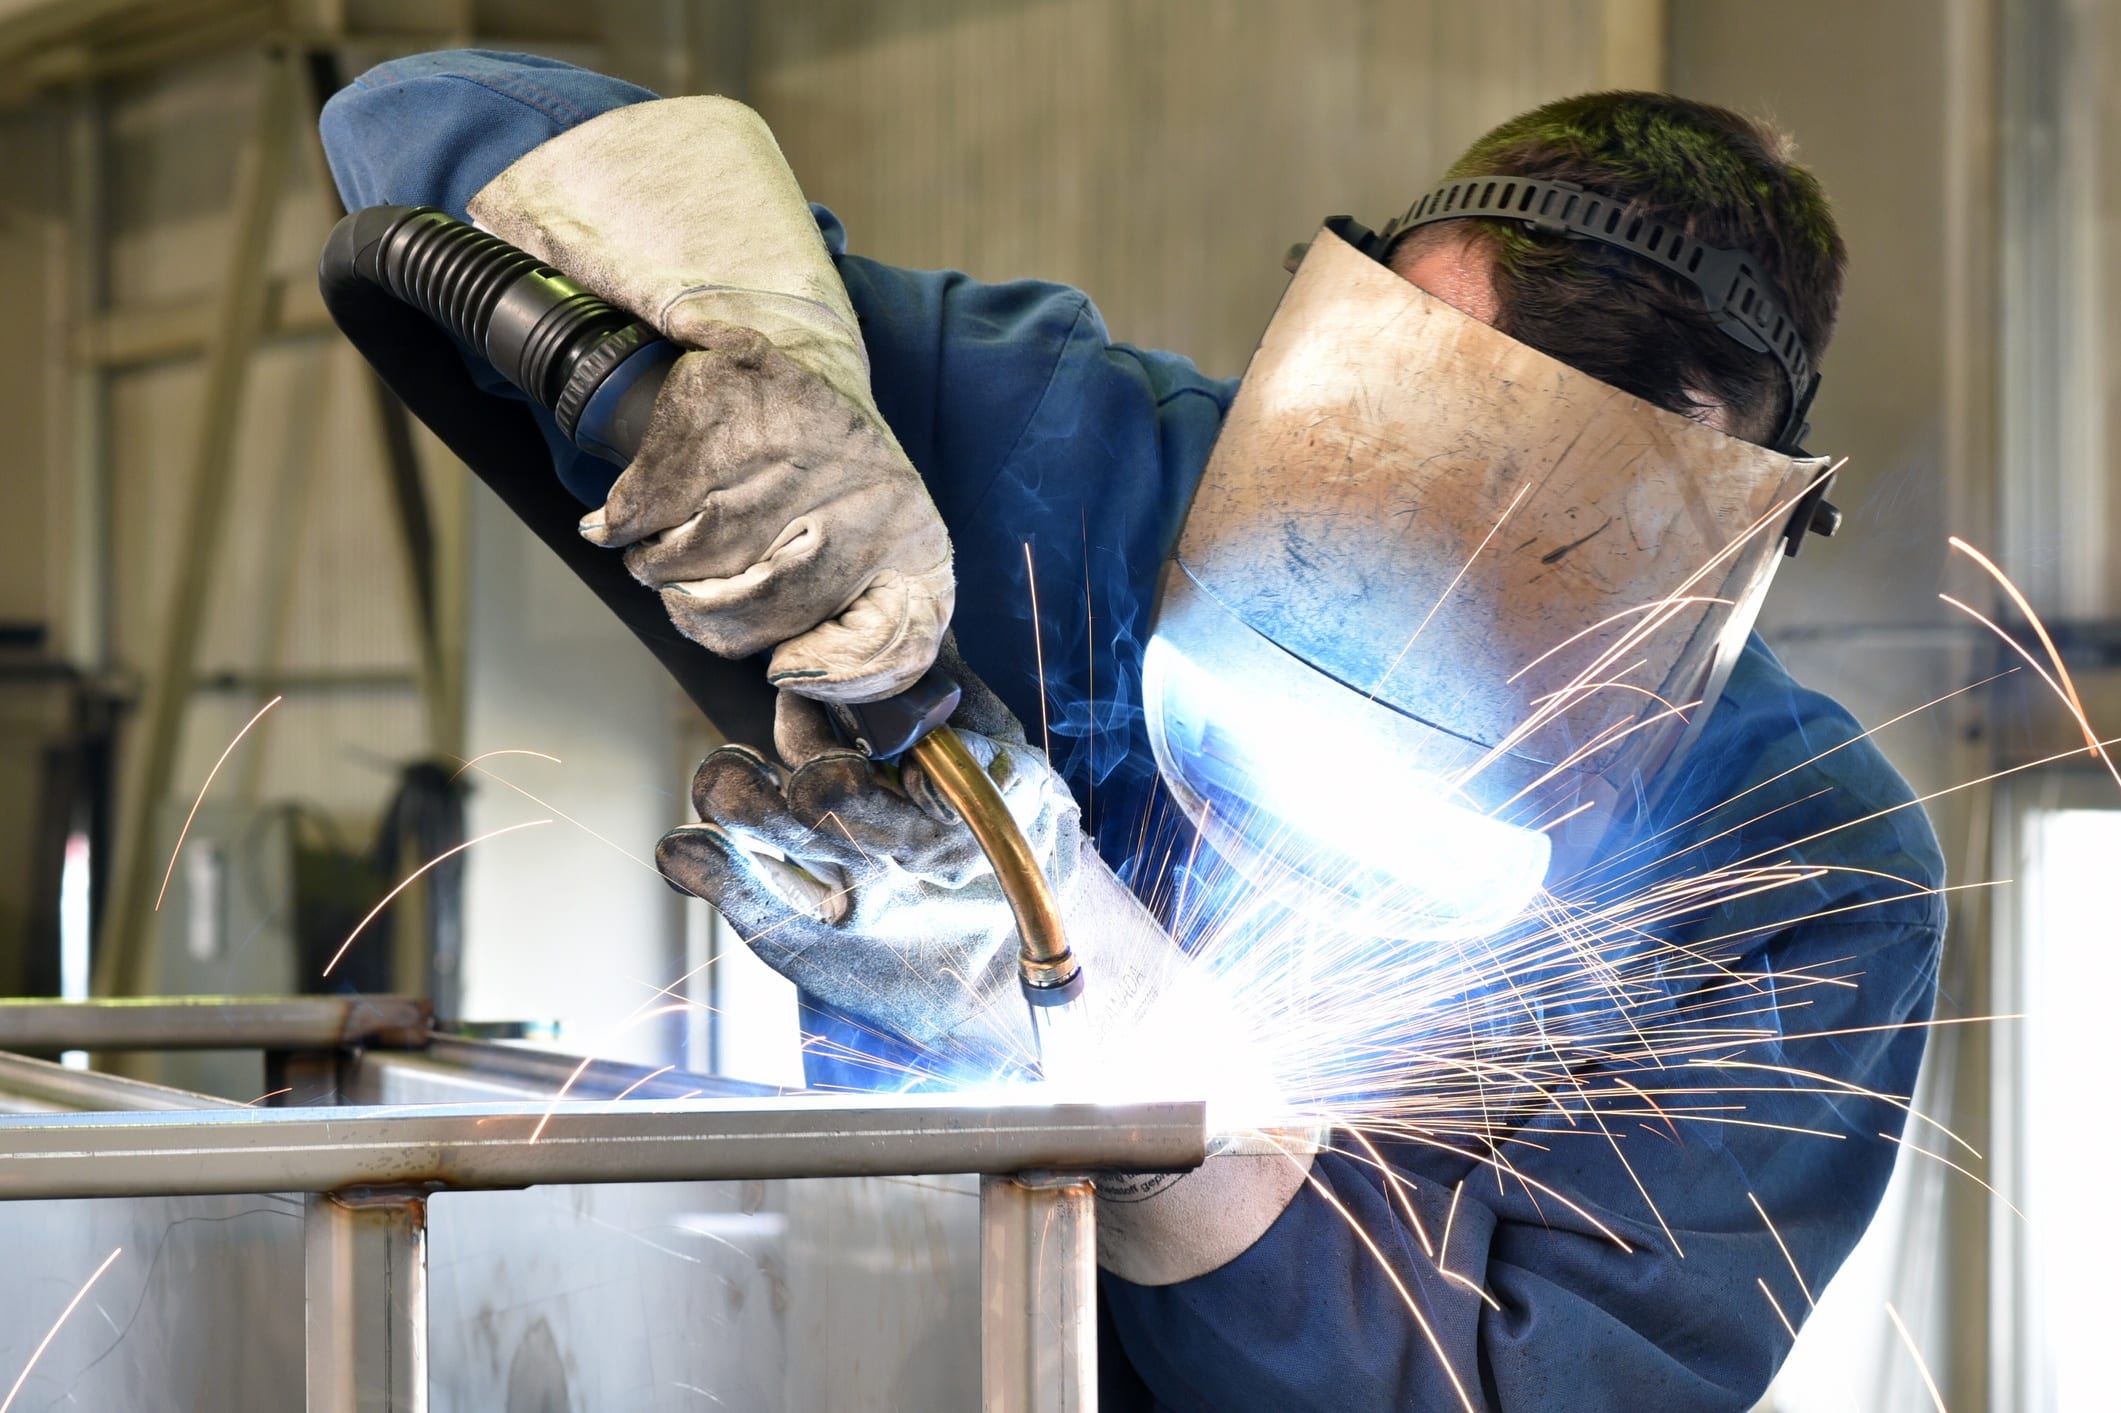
x,y
1452,262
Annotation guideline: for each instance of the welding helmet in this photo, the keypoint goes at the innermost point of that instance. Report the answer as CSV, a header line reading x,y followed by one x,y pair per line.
x,y
1445,610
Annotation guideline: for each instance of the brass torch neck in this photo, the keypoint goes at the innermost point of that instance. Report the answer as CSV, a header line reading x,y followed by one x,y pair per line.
x,y
1045,964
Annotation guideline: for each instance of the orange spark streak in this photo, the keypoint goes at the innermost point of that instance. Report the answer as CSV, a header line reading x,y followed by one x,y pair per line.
x,y
544,804
1844,1086
1470,1284
1090,692
1670,829
1398,1186
1384,1264
1444,1250
834,816
641,1081
268,1094
410,877
1903,1025
1629,1169
1607,622
2054,654
1936,1398
642,1014
64,1315
1771,1300
1586,806
2065,689
225,754
512,751
546,1117
1916,1148
1463,569
1666,610
1038,647
1920,800
1785,1250
1486,1159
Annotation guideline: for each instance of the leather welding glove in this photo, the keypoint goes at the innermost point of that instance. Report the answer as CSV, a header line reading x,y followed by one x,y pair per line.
x,y
769,502
859,883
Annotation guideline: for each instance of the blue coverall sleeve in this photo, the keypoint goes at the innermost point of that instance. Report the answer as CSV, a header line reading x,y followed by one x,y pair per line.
x,y
433,129
1620,1244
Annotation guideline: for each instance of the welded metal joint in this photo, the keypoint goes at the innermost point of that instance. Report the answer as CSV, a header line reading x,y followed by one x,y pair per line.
x,y
1038,1294
365,1297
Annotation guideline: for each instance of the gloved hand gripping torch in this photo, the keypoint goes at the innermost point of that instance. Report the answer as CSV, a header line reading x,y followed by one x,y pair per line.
x,y
598,369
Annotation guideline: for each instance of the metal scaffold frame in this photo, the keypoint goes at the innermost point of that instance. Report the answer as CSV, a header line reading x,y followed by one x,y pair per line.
x,y
368,1164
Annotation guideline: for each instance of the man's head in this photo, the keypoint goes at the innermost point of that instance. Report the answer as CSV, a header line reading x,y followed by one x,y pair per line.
x,y
1725,180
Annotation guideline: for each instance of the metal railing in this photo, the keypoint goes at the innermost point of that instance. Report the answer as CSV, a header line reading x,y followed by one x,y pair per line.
x,y
374,1144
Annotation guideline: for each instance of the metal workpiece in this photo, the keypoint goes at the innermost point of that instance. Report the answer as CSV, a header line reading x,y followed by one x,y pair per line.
x,y
1044,961
39,1086
455,1071
1038,1284
365,1303
368,1169
512,1145
1269,1142
213,1023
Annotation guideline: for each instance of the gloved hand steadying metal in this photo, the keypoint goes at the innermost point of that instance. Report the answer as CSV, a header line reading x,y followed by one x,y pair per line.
x,y
880,904
769,502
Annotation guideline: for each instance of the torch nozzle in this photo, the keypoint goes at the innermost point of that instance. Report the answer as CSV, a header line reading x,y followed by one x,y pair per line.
x,y
1052,978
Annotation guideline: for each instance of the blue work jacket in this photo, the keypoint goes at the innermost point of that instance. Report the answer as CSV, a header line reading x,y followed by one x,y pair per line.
x,y
1033,428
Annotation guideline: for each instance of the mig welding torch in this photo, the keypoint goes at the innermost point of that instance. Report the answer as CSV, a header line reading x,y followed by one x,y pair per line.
x,y
395,278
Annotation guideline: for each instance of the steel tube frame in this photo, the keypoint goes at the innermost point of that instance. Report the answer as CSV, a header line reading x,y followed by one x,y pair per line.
x,y
55,1088
1038,1294
368,1171
214,1023
450,1070
512,1145
364,1275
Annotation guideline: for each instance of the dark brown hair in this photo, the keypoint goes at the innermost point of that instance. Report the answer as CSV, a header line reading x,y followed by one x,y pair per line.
x,y
1725,179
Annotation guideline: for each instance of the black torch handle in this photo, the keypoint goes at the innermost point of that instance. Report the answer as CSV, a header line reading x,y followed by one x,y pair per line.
x,y
403,282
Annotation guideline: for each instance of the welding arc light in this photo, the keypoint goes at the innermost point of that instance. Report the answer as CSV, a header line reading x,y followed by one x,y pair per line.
x,y
1313,791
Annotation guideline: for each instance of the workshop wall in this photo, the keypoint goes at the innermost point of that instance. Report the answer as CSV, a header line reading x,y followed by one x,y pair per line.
x,y
306,484
1161,157
310,591
33,701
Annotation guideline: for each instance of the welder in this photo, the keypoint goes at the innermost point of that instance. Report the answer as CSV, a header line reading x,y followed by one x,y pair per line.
x,y
1253,1282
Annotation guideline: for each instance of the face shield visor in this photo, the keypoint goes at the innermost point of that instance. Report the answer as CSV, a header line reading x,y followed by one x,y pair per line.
x,y
1444,609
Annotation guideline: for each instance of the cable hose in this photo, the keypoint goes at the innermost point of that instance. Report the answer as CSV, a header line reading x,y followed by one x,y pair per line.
x,y
460,277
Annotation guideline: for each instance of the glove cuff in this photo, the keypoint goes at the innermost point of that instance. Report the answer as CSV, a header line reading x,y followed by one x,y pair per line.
x,y
684,211
1163,1228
